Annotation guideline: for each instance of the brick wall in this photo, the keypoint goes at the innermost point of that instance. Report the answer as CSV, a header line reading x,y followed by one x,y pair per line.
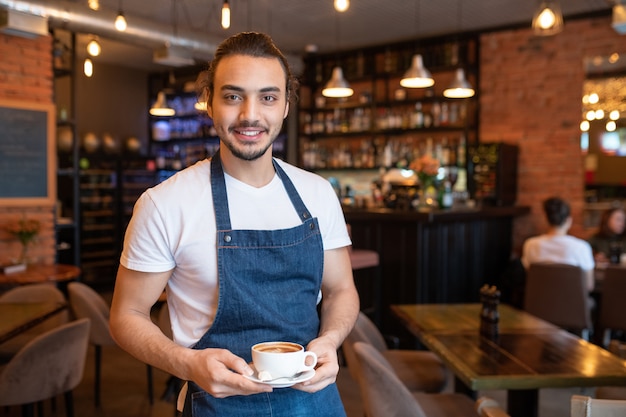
x,y
530,95
26,74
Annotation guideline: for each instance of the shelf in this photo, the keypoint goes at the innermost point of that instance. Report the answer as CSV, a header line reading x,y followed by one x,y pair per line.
x,y
383,123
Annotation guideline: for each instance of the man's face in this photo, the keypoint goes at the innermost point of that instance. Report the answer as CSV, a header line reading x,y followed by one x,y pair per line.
x,y
249,104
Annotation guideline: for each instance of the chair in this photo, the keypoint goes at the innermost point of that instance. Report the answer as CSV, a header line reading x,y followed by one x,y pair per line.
x,y
384,395
86,302
557,293
417,369
583,406
612,314
32,293
51,364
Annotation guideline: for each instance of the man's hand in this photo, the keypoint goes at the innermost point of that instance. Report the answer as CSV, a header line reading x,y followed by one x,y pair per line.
x,y
220,373
327,366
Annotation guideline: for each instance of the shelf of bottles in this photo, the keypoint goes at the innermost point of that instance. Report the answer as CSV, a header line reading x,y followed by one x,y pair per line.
x,y
383,124
181,140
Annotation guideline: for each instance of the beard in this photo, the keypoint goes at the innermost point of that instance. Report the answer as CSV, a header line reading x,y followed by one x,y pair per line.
x,y
248,151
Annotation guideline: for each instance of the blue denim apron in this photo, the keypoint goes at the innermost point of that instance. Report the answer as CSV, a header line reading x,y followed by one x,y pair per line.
x,y
268,286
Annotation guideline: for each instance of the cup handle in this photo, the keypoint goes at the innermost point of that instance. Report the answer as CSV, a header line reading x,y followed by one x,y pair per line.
x,y
311,354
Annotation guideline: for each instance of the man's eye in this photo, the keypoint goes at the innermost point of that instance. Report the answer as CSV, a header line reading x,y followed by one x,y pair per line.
x,y
269,98
232,97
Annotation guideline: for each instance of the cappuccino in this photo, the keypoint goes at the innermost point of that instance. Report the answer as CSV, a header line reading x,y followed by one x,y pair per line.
x,y
278,347
274,360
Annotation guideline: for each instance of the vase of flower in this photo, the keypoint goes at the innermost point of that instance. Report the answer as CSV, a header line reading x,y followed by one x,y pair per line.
x,y
26,231
426,168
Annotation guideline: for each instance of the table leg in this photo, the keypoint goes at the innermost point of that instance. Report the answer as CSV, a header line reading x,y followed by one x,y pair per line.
x,y
523,402
461,388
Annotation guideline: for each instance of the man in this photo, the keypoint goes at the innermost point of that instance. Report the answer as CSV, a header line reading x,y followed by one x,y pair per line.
x,y
245,245
556,246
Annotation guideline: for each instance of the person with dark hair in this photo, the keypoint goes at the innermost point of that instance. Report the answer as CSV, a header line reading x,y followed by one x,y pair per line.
x,y
610,240
248,248
556,246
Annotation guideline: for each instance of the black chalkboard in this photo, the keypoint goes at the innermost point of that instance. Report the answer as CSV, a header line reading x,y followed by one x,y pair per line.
x,y
27,153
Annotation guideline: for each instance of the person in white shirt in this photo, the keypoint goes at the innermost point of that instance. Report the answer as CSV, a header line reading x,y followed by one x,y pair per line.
x,y
556,246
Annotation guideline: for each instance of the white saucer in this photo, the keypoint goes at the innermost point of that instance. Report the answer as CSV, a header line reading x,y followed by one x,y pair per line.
x,y
283,382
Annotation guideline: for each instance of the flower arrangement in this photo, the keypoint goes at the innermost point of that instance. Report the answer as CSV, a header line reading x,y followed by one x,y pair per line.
x,y
426,167
26,231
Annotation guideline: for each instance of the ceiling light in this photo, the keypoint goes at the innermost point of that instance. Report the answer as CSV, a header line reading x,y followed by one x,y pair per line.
x,y
160,107
120,20
417,76
88,67
94,4
460,87
614,115
342,5
225,15
93,48
337,86
611,126
584,126
548,19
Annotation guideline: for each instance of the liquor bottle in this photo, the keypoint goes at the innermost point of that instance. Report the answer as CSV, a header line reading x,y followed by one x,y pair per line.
x,y
445,200
418,116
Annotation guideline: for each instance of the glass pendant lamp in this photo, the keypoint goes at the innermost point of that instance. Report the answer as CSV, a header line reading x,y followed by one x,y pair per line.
x,y
417,76
460,87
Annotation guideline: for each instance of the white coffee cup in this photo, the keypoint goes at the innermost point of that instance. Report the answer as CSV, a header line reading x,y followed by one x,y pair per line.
x,y
274,360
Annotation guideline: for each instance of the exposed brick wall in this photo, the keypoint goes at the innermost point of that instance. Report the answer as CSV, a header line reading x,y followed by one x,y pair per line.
x,y
530,95
26,74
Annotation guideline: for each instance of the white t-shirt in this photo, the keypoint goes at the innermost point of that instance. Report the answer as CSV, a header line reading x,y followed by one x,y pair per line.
x,y
563,249
173,226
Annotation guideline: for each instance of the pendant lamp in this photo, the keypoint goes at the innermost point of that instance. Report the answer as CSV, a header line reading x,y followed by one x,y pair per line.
x,y
225,15
460,87
337,86
160,108
120,20
548,19
417,76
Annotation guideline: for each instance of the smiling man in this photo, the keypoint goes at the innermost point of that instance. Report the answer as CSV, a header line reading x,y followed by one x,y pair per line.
x,y
245,245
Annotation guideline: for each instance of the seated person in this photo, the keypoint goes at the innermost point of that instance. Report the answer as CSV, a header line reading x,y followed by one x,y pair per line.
x,y
556,246
610,240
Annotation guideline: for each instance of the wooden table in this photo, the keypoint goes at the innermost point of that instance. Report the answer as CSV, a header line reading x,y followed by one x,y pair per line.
x,y
19,317
528,354
42,273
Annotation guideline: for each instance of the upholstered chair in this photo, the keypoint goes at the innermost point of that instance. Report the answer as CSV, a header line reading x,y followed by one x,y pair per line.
x,y
49,365
45,292
384,395
86,302
419,370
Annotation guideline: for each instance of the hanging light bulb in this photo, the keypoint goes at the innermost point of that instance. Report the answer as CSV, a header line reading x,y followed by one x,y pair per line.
x,y
120,22
460,87
93,47
94,4
225,15
337,86
160,107
417,76
548,19
342,5
88,67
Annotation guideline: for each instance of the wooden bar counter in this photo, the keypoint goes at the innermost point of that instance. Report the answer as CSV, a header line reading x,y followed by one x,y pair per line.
x,y
437,256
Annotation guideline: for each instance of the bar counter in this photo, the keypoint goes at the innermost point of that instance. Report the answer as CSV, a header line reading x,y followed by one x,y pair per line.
x,y
436,256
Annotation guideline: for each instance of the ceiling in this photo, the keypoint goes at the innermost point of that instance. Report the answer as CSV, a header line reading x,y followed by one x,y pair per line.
x,y
298,24
295,25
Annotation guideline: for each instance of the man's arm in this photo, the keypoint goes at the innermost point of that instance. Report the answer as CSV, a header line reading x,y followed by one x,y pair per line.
x,y
133,329
340,307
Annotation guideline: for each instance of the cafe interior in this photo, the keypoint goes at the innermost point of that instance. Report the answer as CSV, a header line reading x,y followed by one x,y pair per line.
x,y
443,127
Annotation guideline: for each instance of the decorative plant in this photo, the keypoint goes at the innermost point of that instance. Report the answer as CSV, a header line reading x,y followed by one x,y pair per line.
x,y
426,168
26,231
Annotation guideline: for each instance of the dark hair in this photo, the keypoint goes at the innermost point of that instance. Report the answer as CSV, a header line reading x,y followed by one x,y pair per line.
x,y
604,229
253,44
557,210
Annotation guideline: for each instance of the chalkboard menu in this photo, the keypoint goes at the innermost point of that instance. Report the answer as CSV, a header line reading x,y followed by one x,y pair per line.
x,y
27,153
